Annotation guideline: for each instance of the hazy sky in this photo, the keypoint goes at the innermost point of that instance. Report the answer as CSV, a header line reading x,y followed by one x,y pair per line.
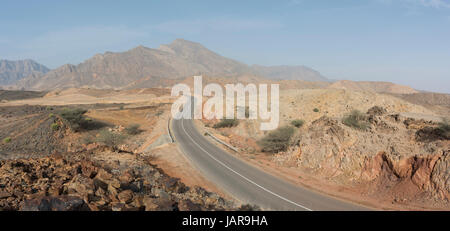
x,y
402,41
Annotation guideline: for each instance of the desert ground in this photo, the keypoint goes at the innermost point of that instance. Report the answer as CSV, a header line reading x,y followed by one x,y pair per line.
x,y
396,156
138,170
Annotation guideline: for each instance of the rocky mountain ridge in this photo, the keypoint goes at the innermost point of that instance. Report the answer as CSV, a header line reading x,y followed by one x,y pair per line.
x,y
13,71
180,59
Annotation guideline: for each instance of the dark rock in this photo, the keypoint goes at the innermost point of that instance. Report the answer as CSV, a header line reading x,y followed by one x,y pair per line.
x,y
61,203
188,205
125,196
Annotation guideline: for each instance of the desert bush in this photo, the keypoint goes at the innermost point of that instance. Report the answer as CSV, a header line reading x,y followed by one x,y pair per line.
x,y
316,110
226,123
78,121
297,123
51,115
110,139
356,120
277,140
75,117
54,126
133,129
444,128
7,140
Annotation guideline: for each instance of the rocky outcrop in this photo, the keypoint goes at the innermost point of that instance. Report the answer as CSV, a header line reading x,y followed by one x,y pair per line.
x,y
78,183
428,173
389,152
440,176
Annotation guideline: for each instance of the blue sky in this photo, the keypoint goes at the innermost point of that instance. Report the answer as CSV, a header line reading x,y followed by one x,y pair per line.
x,y
402,41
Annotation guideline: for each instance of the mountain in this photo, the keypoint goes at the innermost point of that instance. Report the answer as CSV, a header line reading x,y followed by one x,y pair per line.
x,y
379,87
288,73
147,67
118,70
13,71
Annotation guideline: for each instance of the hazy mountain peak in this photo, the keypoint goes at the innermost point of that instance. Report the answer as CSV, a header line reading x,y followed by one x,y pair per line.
x,y
140,48
180,41
285,72
179,59
183,47
13,71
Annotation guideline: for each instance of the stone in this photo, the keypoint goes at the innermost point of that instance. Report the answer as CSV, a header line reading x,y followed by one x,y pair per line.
x,y
80,185
125,196
61,203
126,178
188,205
4,195
157,204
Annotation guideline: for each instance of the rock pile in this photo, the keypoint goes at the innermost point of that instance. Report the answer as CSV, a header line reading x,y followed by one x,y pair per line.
x,y
63,184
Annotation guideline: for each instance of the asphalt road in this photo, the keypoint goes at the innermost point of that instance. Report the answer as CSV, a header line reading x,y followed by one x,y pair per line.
x,y
247,183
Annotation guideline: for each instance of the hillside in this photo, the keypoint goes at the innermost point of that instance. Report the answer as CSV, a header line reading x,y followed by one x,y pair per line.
x,y
438,102
288,73
379,87
118,70
13,71
146,67
401,153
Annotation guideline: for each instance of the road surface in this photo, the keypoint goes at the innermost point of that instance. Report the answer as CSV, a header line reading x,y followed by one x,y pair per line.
x,y
245,182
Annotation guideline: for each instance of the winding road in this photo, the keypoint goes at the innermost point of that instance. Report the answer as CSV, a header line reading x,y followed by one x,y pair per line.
x,y
248,183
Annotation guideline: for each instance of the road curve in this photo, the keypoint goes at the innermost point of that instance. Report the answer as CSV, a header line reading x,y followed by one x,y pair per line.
x,y
245,182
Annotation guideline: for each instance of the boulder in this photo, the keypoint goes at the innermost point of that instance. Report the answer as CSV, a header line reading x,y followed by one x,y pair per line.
x,y
125,196
61,203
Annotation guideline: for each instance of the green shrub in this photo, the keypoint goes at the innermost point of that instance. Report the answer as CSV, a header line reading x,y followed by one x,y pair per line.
x,y
51,115
75,117
297,123
54,126
444,128
226,123
316,110
277,140
356,120
133,129
110,139
7,140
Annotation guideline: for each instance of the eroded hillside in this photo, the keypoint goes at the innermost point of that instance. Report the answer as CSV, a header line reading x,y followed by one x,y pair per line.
x,y
394,152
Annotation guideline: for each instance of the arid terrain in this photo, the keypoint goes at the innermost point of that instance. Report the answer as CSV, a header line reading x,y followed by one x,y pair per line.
x,y
105,163
399,161
95,136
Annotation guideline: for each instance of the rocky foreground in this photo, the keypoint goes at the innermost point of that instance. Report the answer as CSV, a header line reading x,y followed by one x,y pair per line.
x,y
404,157
60,183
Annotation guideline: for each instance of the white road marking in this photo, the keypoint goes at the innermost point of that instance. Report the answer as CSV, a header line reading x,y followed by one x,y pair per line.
x,y
220,162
